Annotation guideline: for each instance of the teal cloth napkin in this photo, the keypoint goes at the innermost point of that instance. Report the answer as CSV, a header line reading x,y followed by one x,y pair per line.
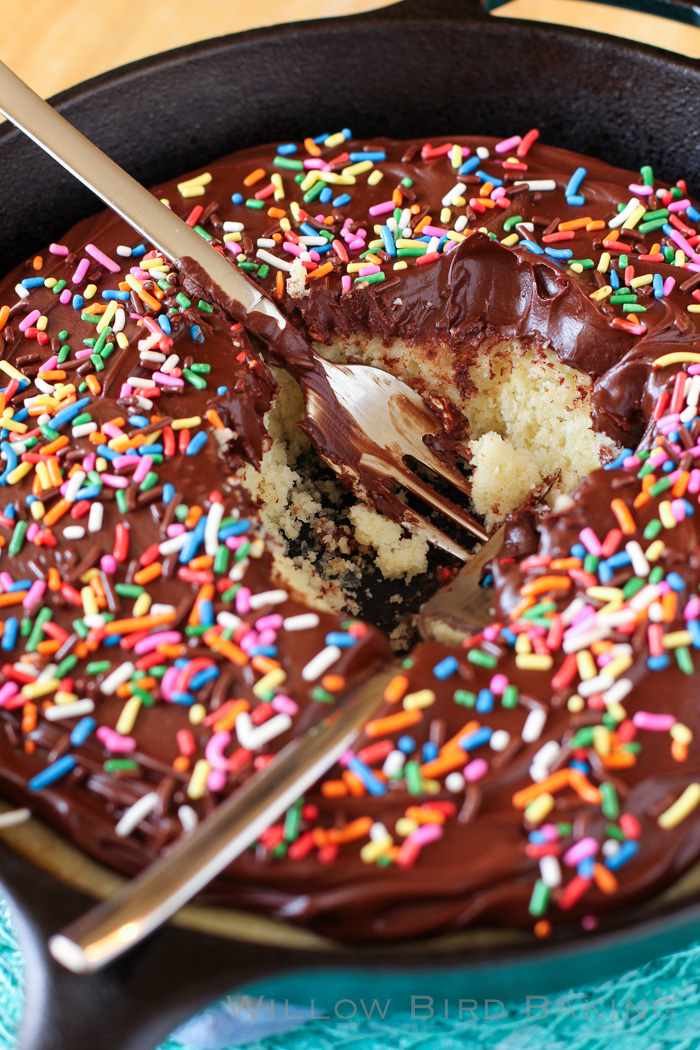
x,y
656,1007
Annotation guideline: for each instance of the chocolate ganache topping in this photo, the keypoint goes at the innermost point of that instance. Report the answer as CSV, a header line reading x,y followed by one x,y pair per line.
x,y
541,774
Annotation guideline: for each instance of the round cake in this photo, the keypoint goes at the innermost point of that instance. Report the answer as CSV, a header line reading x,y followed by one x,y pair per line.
x,y
184,585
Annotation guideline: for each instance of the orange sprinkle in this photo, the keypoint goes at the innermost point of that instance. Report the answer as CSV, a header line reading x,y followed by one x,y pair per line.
x,y
641,499
597,224
354,784
624,518
139,623
425,815
29,718
453,742
204,561
30,747
679,751
669,606
333,682
52,374
228,649
356,829
213,417
396,197
542,584
279,284
94,308
486,190
37,262
446,763
554,782
575,224
393,723
228,717
193,516
48,646
311,148
264,664
54,446
277,213
56,512
604,879
255,176
425,221
4,315
181,764
680,484
334,789
521,607
396,689
93,384
583,787
320,271
542,928
150,573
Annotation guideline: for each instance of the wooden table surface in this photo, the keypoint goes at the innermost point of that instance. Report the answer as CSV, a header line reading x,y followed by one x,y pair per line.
x,y
54,45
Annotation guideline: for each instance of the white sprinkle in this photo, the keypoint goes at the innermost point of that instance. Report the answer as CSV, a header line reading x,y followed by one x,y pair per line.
x,y
41,384
75,483
133,816
629,209
170,363
120,675
450,197
534,724
268,598
152,355
598,684
393,763
640,565
281,264
320,663
550,871
97,620
693,397
73,532
119,319
610,847
123,251
499,740
538,185
188,818
95,517
174,544
482,153
21,291
211,529
618,691
82,430
74,710
378,832
14,817
454,782
308,242
572,610
143,402
460,222
228,620
233,227
253,737
304,622
266,242
157,609
139,384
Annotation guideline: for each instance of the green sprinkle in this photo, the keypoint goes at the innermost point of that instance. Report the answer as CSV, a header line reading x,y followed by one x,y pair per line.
x,y
200,367
292,821
258,205
80,629
656,575
120,765
322,696
660,486
264,270
647,174
590,563
182,300
464,698
63,354
195,630
539,901
311,194
414,780
58,287
203,233
194,379
633,308
653,529
120,500
221,560
419,249
38,629
610,805
90,318
481,659
583,738
632,587
612,831
288,162
684,659
63,334
231,593
66,665
98,667
372,278
17,541
511,222
510,696
149,482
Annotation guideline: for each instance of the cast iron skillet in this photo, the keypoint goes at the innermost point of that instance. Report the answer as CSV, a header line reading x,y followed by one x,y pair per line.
x,y
422,67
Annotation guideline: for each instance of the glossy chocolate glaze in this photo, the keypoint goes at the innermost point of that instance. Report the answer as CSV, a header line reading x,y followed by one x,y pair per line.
x,y
480,866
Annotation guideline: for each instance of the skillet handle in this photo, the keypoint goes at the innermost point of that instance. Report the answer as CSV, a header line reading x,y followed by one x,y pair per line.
x,y
685,11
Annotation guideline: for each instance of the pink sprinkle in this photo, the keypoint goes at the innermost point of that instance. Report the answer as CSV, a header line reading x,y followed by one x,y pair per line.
x,y
582,849
139,273
679,205
114,741
58,249
450,245
498,684
365,271
346,282
125,390
641,191
631,463
145,464
267,637
669,285
657,723
508,144
34,594
165,380
692,608
113,481
273,622
176,529
356,244
29,320
7,691
497,193
678,509
108,564
51,363
381,209
243,601
80,271
590,541
65,296
550,832
6,581
122,462
147,645
112,430
433,231
32,531
102,259
693,370
682,243
284,705
424,834
216,780
475,770
80,354
316,164
491,632
214,751
293,249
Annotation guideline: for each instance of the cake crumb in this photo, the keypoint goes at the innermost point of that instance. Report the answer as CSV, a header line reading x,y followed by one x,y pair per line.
x,y
398,555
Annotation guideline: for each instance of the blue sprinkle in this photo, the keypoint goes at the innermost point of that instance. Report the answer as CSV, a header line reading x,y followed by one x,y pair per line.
x,y
168,492
343,198
194,539
150,450
139,250
669,465
66,414
11,460
537,837
198,442
196,334
446,667
325,195
574,182
675,581
531,247
668,229
508,636
263,650
33,282
620,459
693,214
206,612
626,851
484,701
9,635
111,640
52,773
320,139
689,508
138,421
658,285
236,528
370,781
106,453
374,155
9,511
578,551
470,741
321,249
19,585
613,279
341,639
658,663
221,390
389,246
165,324
120,296
605,573
84,729
619,560
430,751
559,253
575,201
237,198
406,744
485,177
286,148
89,492
184,699
207,675
585,868
308,230
469,166
581,767
182,663
77,301
693,628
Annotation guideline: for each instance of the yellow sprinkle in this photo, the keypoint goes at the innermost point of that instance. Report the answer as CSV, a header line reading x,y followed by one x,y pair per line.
x,y
18,473
604,262
618,666
576,267
42,472
677,357
629,224
639,282
601,293
146,264
10,424
456,156
511,239
90,607
42,323
373,850
617,712
127,718
694,308
404,826
605,594
586,665
337,139
419,699
89,291
666,515
309,180
534,661
197,787
601,739
523,644
674,639
62,697
186,424
235,236
50,282
37,509
122,341
11,370
33,690
445,215
540,807
336,179
142,605
197,180
681,733
576,704
269,681
679,258
285,224
452,235
655,550
681,808
107,316
198,713
358,169
459,202
375,177
353,267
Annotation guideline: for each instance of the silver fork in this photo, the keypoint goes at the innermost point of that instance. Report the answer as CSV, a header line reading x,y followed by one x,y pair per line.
x,y
370,401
